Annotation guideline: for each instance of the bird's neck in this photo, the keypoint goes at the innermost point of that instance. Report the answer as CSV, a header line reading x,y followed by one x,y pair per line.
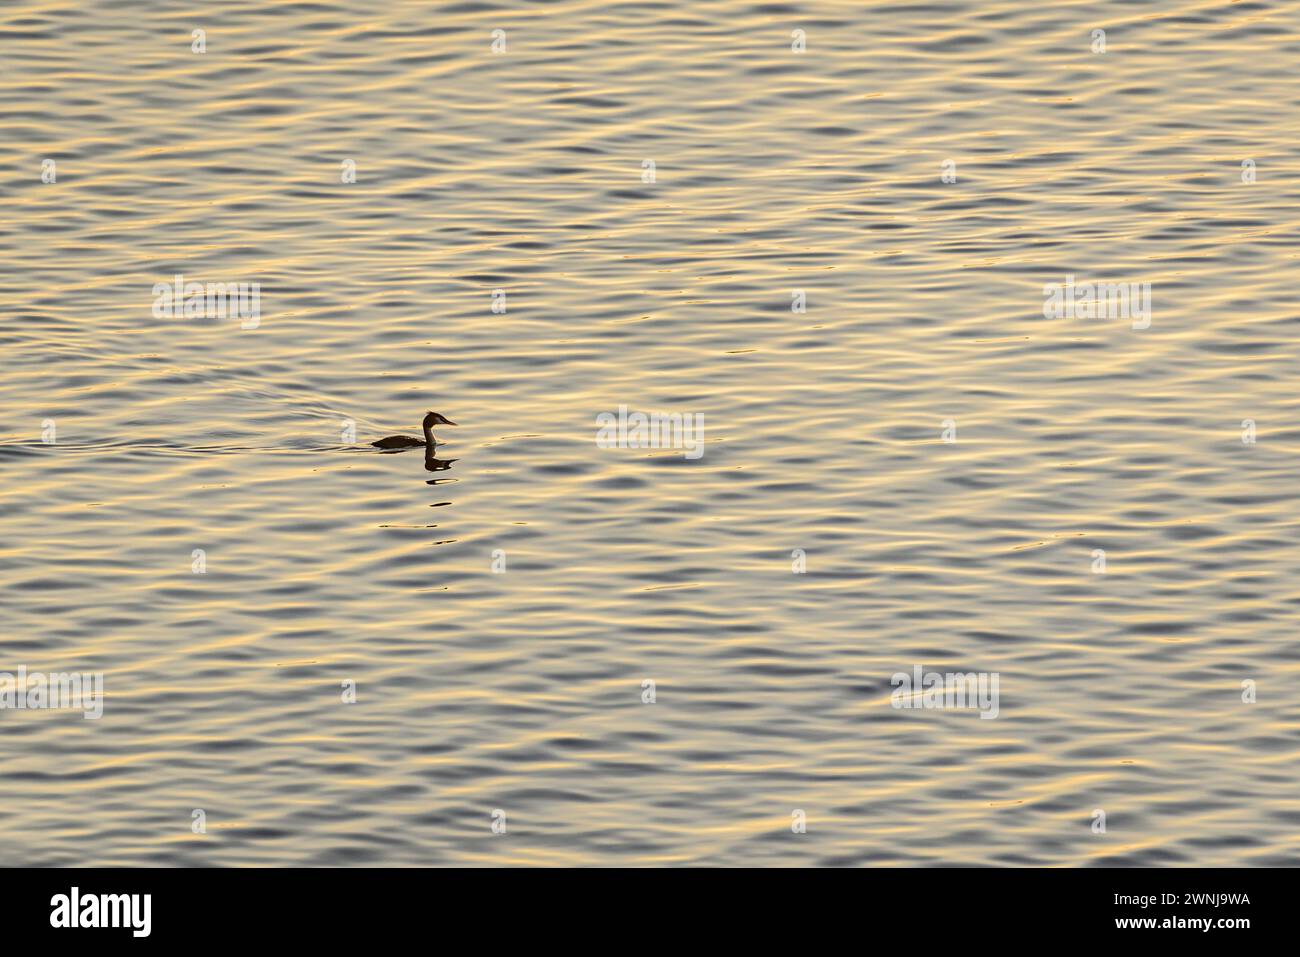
x,y
428,433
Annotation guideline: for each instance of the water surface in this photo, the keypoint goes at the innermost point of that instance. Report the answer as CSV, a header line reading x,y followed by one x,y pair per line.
x,y
775,172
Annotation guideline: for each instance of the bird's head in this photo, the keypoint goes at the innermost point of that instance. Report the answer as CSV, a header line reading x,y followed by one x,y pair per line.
x,y
436,418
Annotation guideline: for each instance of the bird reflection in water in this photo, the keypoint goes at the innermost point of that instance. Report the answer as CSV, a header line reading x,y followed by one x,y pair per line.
x,y
432,464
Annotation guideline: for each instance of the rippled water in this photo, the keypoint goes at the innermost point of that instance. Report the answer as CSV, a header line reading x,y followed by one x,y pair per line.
x,y
327,562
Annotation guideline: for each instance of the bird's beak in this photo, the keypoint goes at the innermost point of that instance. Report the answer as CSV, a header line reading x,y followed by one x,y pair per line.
x,y
447,421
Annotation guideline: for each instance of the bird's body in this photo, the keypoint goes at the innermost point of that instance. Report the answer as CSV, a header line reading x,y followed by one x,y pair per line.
x,y
392,442
399,442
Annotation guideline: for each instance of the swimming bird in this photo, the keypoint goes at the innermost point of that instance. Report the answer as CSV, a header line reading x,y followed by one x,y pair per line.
x,y
410,442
